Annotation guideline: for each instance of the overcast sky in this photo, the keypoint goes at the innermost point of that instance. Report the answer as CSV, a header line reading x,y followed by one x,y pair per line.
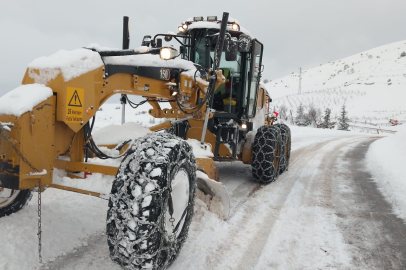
x,y
300,33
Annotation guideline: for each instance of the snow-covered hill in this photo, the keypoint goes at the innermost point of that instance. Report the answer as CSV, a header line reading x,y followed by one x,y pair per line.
x,y
372,84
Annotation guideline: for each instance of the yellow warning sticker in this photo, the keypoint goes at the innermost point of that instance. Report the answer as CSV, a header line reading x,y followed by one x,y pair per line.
x,y
74,105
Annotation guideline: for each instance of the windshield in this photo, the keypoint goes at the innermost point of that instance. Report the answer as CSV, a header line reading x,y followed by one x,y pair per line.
x,y
203,53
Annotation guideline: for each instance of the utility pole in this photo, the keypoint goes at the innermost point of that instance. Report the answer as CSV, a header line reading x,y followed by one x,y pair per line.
x,y
300,81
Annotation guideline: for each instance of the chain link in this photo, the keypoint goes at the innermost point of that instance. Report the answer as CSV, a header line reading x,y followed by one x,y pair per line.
x,y
39,221
3,134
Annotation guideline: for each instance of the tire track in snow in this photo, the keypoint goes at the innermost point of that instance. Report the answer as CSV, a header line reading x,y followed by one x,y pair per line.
x,y
308,158
252,219
376,236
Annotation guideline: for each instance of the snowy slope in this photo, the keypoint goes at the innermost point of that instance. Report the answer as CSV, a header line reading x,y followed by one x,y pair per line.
x,y
372,84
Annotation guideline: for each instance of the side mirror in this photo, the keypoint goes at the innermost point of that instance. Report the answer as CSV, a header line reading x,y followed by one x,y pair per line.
x,y
158,43
231,49
146,41
244,43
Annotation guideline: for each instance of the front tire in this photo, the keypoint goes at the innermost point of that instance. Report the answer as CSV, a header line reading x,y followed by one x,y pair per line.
x,y
265,154
140,230
12,201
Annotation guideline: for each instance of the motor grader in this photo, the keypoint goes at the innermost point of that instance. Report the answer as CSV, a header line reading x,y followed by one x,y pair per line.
x,y
212,86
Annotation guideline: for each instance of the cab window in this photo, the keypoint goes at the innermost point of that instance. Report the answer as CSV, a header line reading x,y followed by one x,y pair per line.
x,y
253,77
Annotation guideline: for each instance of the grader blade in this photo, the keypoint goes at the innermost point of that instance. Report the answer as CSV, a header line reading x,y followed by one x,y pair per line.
x,y
219,201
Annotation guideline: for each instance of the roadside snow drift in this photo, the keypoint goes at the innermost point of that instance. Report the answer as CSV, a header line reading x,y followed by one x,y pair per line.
x,y
386,160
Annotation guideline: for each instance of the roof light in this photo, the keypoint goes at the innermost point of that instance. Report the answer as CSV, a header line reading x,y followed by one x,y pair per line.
x,y
185,26
196,19
212,18
235,27
180,29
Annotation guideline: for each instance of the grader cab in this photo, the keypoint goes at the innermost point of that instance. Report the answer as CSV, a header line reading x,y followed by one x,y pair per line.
x,y
218,107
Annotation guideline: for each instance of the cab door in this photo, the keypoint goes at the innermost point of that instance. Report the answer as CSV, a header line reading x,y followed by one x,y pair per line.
x,y
254,76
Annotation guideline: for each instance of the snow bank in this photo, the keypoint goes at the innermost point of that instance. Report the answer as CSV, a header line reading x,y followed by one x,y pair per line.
x,y
71,64
116,134
23,99
386,159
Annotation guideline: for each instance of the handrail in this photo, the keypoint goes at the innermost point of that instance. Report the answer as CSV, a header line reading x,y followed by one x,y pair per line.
x,y
231,88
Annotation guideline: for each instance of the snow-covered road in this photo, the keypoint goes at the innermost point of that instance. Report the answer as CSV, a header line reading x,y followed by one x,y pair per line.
x,y
324,213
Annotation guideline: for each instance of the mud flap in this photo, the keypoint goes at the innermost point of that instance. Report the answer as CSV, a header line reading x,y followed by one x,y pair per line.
x,y
217,191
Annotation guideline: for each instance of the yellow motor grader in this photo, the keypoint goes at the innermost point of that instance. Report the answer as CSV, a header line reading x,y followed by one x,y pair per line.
x,y
212,86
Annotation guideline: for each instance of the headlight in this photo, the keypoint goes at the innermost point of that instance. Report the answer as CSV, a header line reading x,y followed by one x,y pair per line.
x,y
167,53
185,26
180,29
235,27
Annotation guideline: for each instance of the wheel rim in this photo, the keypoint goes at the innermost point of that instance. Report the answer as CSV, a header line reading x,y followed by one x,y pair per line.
x,y
287,150
7,196
180,199
276,157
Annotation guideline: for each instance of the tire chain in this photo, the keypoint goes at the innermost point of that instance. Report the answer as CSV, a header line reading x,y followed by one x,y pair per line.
x,y
266,140
156,142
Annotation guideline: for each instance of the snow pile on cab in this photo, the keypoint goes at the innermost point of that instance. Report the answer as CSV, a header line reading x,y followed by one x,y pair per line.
x,y
23,99
71,64
149,60
386,159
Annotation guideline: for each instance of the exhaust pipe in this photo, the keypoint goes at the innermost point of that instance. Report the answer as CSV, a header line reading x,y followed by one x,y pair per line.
x,y
126,46
126,34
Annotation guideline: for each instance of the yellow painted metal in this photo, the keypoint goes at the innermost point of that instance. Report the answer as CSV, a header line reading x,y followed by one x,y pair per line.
x,y
32,135
54,127
247,153
84,167
163,125
195,132
91,193
209,167
112,146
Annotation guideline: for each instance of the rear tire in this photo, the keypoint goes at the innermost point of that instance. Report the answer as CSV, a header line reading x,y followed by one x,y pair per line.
x,y
15,202
285,147
139,232
265,154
